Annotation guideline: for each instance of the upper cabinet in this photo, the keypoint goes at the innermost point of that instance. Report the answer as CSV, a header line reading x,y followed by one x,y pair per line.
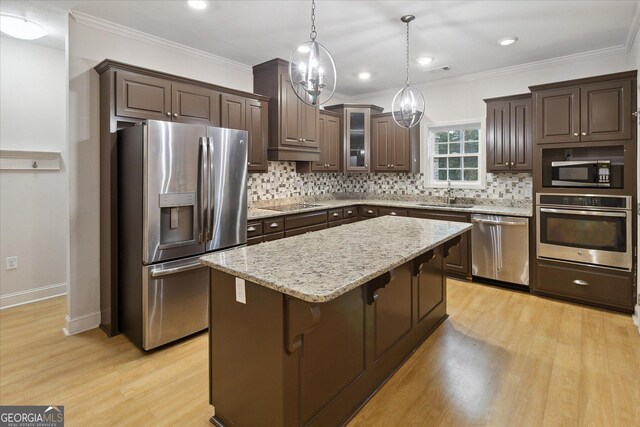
x,y
586,110
394,148
293,124
329,142
509,134
356,135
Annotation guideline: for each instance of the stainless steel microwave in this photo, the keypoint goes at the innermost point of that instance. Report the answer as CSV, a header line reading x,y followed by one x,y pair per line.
x,y
589,173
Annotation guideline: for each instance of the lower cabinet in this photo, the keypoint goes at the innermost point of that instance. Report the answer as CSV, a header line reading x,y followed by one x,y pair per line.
x,y
458,263
585,284
392,212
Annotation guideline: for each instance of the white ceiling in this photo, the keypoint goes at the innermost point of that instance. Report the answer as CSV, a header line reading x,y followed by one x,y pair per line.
x,y
367,35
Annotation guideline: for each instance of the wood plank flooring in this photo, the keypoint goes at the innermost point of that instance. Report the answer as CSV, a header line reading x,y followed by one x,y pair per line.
x,y
503,358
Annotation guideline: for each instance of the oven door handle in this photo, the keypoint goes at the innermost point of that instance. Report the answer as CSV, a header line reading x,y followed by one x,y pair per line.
x,y
174,270
591,213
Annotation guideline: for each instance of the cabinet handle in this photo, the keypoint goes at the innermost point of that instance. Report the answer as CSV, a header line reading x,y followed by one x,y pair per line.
x,y
392,166
249,163
393,214
274,225
304,139
580,283
584,134
369,211
575,134
251,229
168,114
175,114
336,214
349,212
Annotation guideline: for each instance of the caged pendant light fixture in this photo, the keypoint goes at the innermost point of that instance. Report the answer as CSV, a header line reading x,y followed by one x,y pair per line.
x,y
312,71
408,104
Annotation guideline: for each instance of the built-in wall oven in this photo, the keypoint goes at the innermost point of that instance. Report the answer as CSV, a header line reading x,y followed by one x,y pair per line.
x,y
588,229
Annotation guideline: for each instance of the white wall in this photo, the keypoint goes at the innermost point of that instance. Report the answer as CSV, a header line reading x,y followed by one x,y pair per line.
x,y
33,205
89,44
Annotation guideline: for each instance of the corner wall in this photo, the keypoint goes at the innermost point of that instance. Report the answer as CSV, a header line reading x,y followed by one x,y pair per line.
x,y
33,204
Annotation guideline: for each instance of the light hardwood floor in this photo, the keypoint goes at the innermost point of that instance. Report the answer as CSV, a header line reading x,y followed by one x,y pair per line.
x,y
503,358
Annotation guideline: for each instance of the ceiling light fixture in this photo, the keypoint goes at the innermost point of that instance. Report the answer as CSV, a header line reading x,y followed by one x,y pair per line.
x,y
364,75
408,104
21,28
506,41
425,60
198,4
312,71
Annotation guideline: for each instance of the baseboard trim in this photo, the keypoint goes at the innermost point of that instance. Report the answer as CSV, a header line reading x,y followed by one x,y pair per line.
x,y
82,323
32,295
636,317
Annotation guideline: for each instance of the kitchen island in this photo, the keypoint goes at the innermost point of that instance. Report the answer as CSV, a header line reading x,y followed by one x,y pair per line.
x,y
304,330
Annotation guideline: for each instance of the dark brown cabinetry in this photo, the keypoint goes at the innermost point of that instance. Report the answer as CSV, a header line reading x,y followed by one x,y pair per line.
x,y
129,94
509,134
329,143
394,148
293,124
595,109
458,262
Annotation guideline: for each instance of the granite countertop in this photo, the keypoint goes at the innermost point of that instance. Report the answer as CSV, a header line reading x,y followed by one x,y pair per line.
x,y
320,266
259,213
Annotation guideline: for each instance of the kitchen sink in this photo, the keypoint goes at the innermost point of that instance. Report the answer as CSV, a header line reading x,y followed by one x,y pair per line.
x,y
446,205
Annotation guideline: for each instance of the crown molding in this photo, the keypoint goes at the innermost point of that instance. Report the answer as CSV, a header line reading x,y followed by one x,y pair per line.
x,y
633,29
121,30
514,69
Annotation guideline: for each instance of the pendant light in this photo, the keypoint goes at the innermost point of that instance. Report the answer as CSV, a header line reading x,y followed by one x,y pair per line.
x,y
408,104
312,71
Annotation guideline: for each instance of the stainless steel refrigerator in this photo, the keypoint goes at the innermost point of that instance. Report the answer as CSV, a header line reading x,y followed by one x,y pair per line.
x,y
182,192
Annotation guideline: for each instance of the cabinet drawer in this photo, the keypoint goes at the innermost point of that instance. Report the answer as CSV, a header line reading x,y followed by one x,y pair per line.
x,y
335,214
440,215
304,230
605,287
392,212
273,225
368,212
342,222
350,212
273,236
305,220
254,229
254,240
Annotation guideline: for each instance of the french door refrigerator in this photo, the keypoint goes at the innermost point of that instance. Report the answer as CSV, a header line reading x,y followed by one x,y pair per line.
x,y
182,192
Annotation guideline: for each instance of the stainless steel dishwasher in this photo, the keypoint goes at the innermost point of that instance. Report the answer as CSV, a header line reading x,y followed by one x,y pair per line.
x,y
500,248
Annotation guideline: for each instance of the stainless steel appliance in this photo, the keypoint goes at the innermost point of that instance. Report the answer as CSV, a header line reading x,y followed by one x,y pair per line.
x,y
589,229
182,192
585,173
500,248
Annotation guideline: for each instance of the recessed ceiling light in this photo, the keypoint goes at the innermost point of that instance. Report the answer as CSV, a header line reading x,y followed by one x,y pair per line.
x,y
364,75
425,60
506,41
21,28
198,4
303,48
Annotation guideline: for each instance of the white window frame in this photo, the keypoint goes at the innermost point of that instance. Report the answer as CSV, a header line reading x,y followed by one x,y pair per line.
x,y
428,155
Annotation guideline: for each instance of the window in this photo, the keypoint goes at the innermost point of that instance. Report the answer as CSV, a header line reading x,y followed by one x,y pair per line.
x,y
454,154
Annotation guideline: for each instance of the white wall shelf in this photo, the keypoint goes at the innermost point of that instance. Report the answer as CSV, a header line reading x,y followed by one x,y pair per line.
x,y
29,160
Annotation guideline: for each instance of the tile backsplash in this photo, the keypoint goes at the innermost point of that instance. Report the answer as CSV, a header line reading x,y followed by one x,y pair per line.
x,y
283,182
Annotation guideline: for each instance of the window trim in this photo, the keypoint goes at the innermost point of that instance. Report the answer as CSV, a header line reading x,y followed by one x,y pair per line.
x,y
428,155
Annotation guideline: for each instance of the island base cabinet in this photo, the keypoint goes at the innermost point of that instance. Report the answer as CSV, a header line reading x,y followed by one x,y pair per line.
x,y
280,361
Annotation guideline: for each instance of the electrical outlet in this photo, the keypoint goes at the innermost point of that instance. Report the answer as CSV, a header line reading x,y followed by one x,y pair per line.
x,y
12,262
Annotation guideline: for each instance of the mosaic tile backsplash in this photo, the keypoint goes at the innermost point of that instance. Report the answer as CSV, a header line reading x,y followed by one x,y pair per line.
x,y
283,182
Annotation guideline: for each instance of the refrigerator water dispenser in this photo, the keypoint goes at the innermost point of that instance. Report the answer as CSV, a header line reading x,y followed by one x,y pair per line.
x,y
177,219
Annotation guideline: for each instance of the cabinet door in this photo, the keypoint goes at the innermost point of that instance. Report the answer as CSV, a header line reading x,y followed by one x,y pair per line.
x,y
399,152
357,132
310,117
333,131
459,260
606,111
290,125
321,164
233,112
380,135
257,126
142,97
498,136
194,104
557,115
521,135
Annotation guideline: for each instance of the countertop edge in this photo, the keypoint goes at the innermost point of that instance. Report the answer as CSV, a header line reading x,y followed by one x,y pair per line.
x,y
314,298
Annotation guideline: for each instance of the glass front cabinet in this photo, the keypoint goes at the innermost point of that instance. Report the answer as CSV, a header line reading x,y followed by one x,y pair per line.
x,y
357,135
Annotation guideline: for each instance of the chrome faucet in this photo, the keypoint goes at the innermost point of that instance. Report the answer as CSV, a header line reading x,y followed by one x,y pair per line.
x,y
450,199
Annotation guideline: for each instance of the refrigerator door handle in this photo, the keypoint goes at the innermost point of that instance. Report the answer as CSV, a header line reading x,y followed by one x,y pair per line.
x,y
203,157
210,188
